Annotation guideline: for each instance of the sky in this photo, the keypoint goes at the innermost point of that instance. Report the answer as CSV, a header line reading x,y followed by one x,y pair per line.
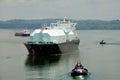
x,y
73,9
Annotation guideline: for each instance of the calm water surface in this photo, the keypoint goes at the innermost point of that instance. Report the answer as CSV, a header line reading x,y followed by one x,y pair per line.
x,y
102,61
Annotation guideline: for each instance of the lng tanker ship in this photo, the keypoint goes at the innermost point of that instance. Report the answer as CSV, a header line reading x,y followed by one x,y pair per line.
x,y
56,38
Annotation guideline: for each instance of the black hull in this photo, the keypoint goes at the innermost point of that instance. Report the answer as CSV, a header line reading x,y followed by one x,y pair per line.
x,y
35,49
78,73
25,34
21,34
102,42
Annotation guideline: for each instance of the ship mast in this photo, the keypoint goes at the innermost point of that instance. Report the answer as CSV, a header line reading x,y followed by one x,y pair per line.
x,y
67,28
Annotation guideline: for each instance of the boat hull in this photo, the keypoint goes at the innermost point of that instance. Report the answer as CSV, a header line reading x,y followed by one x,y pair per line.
x,y
21,34
37,49
102,42
78,73
75,72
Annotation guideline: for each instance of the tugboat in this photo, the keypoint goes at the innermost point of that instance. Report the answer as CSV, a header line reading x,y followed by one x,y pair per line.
x,y
79,70
102,42
24,33
53,39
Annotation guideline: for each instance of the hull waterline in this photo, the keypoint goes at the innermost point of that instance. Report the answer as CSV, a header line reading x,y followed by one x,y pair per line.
x,y
48,49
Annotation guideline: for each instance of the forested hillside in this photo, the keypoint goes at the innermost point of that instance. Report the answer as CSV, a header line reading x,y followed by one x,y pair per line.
x,y
81,24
